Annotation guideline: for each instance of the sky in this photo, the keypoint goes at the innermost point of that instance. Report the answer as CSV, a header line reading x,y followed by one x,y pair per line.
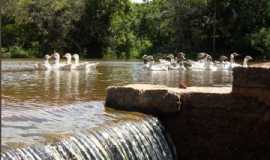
x,y
137,1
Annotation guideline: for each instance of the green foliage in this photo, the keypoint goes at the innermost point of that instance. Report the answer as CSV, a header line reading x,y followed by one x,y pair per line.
x,y
122,29
4,53
45,21
260,40
125,42
19,52
92,31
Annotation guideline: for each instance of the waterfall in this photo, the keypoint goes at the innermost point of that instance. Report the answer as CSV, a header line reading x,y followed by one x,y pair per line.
x,y
125,140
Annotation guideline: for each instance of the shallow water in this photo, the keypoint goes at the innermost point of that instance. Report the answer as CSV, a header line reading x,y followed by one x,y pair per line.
x,y
38,106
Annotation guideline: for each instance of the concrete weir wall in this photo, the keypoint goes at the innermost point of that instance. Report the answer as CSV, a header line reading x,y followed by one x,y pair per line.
x,y
254,82
207,122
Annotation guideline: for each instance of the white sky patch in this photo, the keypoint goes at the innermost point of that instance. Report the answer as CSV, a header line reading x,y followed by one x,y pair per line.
x,y
139,1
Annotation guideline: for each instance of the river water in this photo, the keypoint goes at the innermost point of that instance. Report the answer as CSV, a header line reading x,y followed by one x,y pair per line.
x,y
44,107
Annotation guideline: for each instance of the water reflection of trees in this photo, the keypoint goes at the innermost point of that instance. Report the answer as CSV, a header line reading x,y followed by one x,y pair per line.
x,y
114,74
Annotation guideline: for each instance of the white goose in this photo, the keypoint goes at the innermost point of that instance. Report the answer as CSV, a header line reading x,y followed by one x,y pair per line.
x,y
180,58
172,63
232,62
196,65
164,62
69,65
223,63
68,58
145,62
200,63
245,62
230,65
175,66
169,62
158,67
150,65
209,64
56,63
83,65
45,65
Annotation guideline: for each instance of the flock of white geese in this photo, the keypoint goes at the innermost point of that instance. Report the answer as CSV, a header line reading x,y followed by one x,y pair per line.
x,y
204,62
69,65
171,62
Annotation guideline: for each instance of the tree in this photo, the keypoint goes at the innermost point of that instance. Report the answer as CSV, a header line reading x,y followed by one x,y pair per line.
x,y
122,29
43,23
260,40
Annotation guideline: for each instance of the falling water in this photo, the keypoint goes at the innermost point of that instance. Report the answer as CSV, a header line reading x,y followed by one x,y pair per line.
x,y
136,139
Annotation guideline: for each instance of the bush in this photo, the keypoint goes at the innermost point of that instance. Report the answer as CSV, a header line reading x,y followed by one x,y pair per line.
x,y
4,53
19,52
260,40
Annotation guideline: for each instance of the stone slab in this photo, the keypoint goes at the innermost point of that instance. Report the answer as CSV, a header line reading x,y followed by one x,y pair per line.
x,y
251,77
252,82
261,65
208,122
155,99
145,98
211,123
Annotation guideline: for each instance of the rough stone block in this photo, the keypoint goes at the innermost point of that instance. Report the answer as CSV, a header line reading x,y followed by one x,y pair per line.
x,y
146,98
261,65
156,99
252,82
212,122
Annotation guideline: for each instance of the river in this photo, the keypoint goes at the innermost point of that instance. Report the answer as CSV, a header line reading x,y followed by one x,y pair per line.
x,y
43,107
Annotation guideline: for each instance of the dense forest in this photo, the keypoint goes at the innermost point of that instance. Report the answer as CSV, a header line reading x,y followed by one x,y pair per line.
x,y
123,29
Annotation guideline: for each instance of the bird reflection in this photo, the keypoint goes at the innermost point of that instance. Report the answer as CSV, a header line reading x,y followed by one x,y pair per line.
x,y
75,81
67,85
165,78
87,81
56,83
47,80
207,77
225,76
190,77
